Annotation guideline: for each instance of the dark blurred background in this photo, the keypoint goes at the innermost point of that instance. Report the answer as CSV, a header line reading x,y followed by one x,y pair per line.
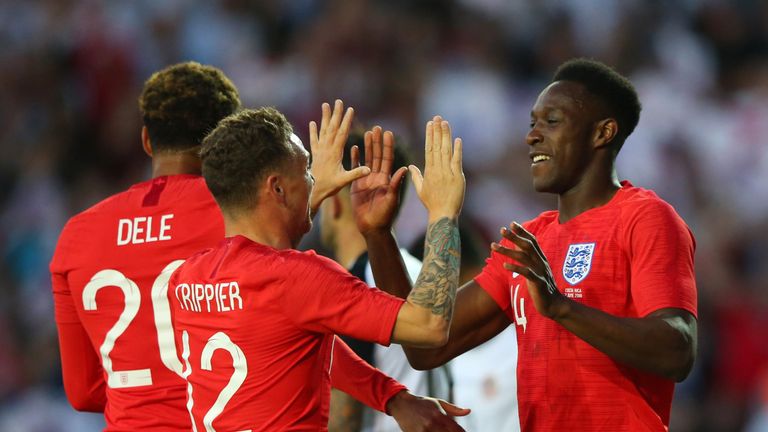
x,y
71,72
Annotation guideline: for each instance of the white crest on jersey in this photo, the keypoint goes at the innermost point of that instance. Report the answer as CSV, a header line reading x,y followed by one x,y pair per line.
x,y
578,262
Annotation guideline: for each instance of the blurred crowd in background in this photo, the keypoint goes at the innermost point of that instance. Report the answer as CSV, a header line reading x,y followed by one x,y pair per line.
x,y
71,72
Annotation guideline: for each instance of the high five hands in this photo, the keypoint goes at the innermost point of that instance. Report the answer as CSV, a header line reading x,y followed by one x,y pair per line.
x,y
441,187
327,148
375,196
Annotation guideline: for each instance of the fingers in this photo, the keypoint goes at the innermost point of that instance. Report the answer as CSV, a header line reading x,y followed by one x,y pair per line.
x,y
445,144
325,119
356,173
458,156
523,243
313,135
368,142
341,135
376,144
521,257
523,233
354,157
397,178
388,153
527,272
453,410
416,178
333,123
437,143
428,144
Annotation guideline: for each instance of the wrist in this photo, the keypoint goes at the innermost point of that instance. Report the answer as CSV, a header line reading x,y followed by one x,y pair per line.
x,y
396,401
435,216
377,233
562,309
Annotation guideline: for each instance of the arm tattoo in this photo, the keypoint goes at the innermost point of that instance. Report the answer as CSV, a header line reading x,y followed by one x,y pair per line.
x,y
346,413
435,289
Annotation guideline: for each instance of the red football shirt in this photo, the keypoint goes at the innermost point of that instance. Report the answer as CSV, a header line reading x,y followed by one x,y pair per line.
x,y
257,327
113,317
628,258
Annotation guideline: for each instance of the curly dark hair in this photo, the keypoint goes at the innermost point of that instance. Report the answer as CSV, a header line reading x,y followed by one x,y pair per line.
x,y
243,149
182,103
613,90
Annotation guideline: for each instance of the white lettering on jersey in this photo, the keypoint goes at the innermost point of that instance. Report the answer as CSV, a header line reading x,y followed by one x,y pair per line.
x,y
142,230
221,297
520,318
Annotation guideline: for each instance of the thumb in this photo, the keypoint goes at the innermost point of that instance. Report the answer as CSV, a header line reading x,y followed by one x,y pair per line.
x,y
416,178
397,178
356,173
453,410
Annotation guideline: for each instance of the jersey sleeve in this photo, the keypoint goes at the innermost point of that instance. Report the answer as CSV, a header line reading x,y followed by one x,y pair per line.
x,y
81,369
661,250
354,376
494,278
321,296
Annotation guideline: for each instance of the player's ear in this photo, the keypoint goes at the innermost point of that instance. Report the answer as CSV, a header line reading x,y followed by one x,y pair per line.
x,y
604,133
275,188
145,142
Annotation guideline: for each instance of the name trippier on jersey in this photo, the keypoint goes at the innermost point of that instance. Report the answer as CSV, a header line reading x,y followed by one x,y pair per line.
x,y
220,297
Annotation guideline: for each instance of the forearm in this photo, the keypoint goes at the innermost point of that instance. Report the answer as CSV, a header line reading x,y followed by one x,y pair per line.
x,y
81,371
432,298
663,343
387,264
354,376
345,413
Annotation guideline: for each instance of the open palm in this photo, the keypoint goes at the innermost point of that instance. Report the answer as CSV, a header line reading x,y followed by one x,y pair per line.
x,y
375,196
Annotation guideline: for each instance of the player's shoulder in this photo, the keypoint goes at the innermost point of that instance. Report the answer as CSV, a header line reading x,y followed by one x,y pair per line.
x,y
643,204
308,260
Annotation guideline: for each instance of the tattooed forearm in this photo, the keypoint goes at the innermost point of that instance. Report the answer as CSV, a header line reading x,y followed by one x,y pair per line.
x,y
435,289
346,413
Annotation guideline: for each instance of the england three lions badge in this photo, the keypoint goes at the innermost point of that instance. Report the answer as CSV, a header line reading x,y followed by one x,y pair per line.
x,y
578,262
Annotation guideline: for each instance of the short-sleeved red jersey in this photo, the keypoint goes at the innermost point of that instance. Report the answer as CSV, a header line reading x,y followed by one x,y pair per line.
x,y
109,269
628,258
256,327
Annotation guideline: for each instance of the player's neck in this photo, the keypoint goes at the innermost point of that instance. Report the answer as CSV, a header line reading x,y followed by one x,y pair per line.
x,y
349,245
589,193
257,229
175,163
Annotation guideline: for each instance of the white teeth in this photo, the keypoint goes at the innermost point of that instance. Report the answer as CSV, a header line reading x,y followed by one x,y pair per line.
x,y
540,158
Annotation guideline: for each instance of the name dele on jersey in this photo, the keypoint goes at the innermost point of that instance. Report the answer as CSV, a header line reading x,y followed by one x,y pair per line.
x,y
143,230
219,297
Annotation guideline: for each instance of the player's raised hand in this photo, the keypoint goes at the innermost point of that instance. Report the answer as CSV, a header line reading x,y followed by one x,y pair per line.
x,y
327,148
375,196
441,188
531,263
420,414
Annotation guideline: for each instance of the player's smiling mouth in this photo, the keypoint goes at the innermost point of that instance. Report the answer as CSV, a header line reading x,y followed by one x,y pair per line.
x,y
539,157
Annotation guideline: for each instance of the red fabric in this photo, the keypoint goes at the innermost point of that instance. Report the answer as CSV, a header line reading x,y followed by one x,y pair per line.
x,y
642,261
278,326
88,245
354,376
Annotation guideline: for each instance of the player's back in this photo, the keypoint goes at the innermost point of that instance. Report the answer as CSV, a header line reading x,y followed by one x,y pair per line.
x,y
110,273
256,327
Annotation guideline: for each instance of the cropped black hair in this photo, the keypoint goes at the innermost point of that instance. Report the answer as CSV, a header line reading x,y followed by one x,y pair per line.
x,y
616,93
